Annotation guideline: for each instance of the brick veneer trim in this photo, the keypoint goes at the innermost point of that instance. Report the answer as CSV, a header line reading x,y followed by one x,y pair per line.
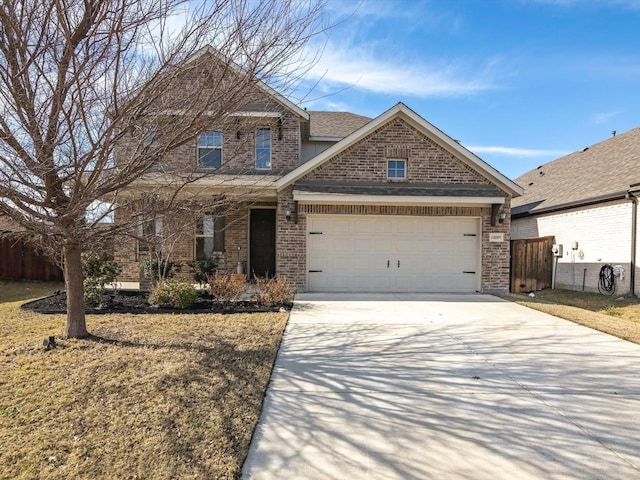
x,y
394,210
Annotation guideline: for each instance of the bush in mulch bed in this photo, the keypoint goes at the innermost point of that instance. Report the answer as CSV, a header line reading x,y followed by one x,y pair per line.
x,y
137,302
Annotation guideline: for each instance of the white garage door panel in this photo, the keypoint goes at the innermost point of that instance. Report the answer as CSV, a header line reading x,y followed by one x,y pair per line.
x,y
392,254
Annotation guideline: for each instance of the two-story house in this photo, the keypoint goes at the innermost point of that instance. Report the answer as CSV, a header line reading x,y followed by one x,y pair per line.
x,y
340,202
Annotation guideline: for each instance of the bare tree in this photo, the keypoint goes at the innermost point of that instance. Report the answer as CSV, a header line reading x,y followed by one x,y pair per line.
x,y
80,78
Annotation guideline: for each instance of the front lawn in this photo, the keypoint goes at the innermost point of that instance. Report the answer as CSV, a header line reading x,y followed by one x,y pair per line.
x,y
14,291
150,396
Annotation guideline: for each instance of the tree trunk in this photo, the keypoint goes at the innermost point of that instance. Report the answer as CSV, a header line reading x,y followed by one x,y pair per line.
x,y
73,279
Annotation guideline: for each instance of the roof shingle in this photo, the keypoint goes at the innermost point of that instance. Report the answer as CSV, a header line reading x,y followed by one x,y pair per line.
x,y
335,124
597,172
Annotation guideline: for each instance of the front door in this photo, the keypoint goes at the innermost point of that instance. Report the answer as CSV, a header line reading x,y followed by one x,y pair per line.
x,y
262,242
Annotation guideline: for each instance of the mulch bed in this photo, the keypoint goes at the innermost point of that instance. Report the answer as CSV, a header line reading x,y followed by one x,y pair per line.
x,y
136,302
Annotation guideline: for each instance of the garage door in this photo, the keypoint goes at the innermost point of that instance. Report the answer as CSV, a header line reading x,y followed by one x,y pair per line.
x,y
348,253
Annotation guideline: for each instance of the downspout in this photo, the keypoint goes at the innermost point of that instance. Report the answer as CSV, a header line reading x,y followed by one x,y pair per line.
x,y
634,229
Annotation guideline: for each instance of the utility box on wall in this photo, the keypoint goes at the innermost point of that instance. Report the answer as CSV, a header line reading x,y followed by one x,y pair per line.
x,y
557,250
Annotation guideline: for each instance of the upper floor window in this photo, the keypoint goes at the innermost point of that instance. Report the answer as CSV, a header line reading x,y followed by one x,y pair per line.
x,y
210,149
263,148
396,169
99,211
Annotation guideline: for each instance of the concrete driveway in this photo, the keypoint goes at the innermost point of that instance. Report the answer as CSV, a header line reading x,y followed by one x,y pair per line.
x,y
445,386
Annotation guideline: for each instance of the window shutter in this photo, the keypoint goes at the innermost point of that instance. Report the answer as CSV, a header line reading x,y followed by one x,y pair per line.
x,y
218,234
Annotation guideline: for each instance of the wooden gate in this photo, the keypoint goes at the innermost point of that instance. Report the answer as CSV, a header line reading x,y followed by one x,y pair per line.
x,y
19,261
531,264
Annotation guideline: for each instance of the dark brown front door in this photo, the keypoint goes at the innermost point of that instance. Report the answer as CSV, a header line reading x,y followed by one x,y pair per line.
x,y
262,242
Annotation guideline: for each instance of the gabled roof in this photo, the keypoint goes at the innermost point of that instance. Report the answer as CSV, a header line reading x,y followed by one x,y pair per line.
x,y
598,173
209,50
334,125
400,110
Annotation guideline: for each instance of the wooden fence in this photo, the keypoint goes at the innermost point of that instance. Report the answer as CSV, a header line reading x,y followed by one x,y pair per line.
x,y
531,264
19,261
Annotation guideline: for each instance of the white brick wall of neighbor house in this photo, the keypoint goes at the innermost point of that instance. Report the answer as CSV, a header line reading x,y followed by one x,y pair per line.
x,y
603,234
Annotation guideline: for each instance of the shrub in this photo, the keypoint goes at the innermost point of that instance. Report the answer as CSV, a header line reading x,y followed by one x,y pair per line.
x,y
173,294
99,272
203,270
159,268
227,288
274,291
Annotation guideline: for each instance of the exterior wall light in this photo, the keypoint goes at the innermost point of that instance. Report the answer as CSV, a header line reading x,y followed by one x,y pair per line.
x,y
291,214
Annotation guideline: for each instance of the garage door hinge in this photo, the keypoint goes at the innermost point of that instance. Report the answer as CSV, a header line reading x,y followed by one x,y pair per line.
x,y
465,271
468,234
315,271
315,233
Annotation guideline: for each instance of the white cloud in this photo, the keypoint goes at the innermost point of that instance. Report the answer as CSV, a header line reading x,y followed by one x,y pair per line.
x,y
515,152
372,9
360,67
603,117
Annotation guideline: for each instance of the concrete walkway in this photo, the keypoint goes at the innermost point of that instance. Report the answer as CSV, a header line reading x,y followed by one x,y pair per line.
x,y
446,386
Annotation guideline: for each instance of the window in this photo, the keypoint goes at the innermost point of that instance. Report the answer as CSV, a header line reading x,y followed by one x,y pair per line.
x,y
100,212
396,169
204,237
209,236
150,236
263,148
210,149
157,224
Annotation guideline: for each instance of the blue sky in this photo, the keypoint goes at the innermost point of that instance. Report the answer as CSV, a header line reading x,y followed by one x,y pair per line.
x,y
518,82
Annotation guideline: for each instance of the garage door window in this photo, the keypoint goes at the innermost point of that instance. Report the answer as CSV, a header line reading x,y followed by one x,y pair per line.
x,y
396,169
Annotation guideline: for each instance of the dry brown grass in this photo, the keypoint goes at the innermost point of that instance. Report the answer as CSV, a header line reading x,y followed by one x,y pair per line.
x,y
151,396
14,291
618,316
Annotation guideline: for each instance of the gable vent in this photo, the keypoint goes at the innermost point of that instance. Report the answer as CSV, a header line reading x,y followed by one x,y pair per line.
x,y
397,151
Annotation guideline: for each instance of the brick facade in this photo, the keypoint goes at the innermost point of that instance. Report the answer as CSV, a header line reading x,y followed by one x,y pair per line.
x,y
208,81
365,162
182,249
291,252
252,109
426,161
238,146
291,246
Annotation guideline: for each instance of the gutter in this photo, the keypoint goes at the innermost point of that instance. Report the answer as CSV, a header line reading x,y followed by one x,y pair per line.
x,y
578,203
313,138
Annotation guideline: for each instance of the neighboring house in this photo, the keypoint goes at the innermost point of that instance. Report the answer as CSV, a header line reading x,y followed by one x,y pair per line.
x,y
586,200
342,203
